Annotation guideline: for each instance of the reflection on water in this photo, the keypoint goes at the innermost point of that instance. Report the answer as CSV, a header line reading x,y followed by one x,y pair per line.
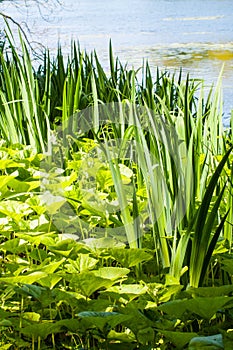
x,y
204,64
195,35
206,18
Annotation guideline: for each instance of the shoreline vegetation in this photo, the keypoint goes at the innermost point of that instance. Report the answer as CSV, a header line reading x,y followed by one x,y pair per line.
x,y
116,209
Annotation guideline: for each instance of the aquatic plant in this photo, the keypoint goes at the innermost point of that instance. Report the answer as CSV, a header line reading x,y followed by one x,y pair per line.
x,y
116,205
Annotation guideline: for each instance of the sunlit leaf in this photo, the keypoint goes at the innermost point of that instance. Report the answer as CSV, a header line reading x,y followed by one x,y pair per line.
x,y
122,337
131,257
29,279
86,262
105,242
112,273
49,281
87,283
32,316
127,291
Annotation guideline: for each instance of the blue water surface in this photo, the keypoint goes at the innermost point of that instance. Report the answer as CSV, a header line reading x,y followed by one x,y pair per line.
x,y
196,35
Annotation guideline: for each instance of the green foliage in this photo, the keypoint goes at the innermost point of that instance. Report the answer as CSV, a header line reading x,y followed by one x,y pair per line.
x,y
60,293
119,236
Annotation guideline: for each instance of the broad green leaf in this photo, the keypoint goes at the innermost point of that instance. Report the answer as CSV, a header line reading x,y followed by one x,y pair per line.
x,y
112,273
5,323
73,299
66,247
23,186
38,238
86,262
38,254
5,179
74,325
6,346
101,319
121,336
53,203
104,242
36,205
131,257
28,279
211,291
49,281
127,291
145,335
179,339
52,266
15,245
97,305
30,289
32,316
213,342
87,283
42,329
207,307
15,209
167,292
175,308
204,307
104,178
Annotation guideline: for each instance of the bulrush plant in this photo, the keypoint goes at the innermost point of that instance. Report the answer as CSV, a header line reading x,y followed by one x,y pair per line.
x,y
24,118
116,205
182,216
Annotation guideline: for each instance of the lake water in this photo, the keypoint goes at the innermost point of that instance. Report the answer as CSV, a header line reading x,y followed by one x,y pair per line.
x,y
194,34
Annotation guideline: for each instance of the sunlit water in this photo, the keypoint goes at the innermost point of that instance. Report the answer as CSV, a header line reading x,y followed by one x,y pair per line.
x,y
196,35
